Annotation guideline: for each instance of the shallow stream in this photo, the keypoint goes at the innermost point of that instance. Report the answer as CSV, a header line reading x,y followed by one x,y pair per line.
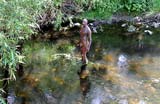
x,y
120,72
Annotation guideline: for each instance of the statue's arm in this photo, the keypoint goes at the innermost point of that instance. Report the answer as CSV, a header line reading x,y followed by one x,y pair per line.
x,y
90,38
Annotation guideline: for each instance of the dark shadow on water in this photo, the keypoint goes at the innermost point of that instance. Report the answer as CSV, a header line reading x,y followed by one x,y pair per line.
x,y
84,80
147,48
5,84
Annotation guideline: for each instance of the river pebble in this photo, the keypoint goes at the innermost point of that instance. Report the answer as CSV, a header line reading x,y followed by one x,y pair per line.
x,y
155,80
142,102
50,99
10,99
123,101
131,28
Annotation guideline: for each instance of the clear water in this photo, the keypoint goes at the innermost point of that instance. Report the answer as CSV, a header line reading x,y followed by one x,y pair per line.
x,y
51,72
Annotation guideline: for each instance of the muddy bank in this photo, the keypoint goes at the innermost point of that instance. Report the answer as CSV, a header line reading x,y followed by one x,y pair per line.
x,y
131,24
147,19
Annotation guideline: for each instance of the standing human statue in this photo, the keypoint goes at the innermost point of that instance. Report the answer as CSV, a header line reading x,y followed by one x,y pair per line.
x,y
85,40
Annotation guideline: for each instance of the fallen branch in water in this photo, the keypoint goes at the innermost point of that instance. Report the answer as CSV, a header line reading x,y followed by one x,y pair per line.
x,y
5,79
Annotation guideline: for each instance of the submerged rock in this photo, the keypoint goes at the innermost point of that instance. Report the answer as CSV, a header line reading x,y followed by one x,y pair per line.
x,y
142,102
124,25
155,81
96,101
122,58
137,19
147,26
93,27
77,24
148,32
101,95
131,28
10,99
155,25
50,99
123,101
122,63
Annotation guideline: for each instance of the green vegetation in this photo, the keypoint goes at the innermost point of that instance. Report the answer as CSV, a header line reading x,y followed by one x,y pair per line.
x,y
156,6
136,5
2,101
101,9
9,55
18,20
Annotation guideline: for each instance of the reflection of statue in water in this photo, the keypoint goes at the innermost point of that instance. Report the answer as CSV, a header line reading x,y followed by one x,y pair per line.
x,y
85,40
84,80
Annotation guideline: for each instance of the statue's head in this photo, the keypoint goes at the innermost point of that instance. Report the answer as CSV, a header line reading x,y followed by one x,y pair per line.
x,y
84,22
